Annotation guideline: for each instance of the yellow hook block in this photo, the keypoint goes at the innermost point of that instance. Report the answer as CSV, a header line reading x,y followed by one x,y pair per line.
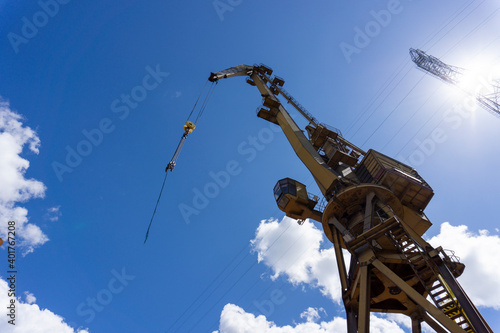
x,y
189,127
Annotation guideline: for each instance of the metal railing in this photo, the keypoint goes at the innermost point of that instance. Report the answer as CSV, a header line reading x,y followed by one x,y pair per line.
x,y
297,105
333,129
451,255
321,202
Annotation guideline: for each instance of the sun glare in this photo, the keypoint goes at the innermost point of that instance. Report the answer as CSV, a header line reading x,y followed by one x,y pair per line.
x,y
477,78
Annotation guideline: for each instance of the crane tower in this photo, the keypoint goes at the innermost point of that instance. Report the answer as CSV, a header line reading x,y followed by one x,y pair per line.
x,y
375,211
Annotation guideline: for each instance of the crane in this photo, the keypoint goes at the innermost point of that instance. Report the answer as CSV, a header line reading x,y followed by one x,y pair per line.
x,y
375,211
454,75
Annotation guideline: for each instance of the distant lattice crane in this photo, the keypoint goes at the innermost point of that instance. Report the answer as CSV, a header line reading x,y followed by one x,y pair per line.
x,y
436,67
491,101
453,75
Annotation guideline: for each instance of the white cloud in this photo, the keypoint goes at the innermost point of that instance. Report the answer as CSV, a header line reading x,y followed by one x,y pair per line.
x,y
381,325
53,213
234,319
15,187
295,251
29,317
401,319
479,252
312,314
405,321
30,298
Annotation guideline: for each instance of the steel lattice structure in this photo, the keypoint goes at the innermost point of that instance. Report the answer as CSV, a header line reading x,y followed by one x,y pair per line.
x,y
491,102
436,67
452,74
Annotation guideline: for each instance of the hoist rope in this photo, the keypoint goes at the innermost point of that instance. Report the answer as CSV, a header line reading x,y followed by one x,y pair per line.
x,y
205,102
171,164
156,206
196,103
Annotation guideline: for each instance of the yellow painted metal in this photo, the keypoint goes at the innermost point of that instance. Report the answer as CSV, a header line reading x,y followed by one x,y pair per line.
x,y
189,127
298,208
324,176
340,259
418,298
380,198
401,179
432,323
354,196
364,300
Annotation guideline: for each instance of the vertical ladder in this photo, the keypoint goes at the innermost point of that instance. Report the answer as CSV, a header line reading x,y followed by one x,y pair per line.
x,y
430,278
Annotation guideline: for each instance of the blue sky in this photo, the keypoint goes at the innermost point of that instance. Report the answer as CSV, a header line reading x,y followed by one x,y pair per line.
x,y
83,229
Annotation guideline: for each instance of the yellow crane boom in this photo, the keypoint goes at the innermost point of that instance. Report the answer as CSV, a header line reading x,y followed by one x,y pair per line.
x,y
273,111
